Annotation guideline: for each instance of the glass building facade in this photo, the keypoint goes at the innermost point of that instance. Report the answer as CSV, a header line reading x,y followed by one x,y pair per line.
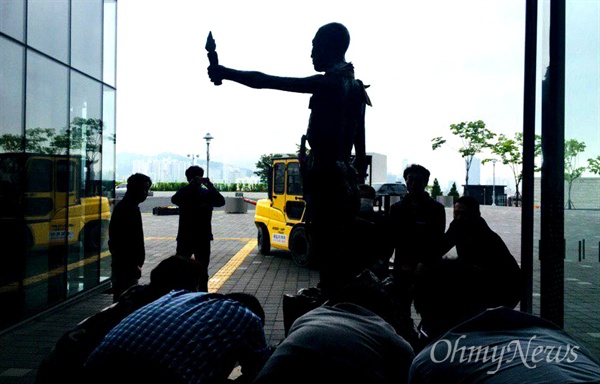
x,y
57,151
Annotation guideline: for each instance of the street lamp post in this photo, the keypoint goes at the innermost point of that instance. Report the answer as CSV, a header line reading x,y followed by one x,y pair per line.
x,y
193,156
208,138
494,182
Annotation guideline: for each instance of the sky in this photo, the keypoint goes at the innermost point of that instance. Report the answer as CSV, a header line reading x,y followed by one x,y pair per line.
x,y
429,64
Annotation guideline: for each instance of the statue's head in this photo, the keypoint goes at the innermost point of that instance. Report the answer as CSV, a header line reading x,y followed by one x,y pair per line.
x,y
329,46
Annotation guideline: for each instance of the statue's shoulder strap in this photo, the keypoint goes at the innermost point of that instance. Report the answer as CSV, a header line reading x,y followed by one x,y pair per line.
x,y
367,98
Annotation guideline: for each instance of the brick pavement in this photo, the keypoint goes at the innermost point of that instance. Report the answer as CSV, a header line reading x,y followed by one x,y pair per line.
x,y
269,277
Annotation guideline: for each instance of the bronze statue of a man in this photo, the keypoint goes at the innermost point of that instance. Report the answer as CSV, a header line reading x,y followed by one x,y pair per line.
x,y
336,126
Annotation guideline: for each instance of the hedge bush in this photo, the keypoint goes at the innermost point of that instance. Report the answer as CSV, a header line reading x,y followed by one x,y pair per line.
x,y
222,187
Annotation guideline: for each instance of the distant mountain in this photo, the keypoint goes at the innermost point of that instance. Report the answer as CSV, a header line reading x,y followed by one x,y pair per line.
x,y
125,163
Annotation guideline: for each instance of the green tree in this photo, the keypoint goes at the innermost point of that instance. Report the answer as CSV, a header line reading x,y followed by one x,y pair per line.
x,y
572,172
83,137
11,143
594,165
475,137
510,152
436,190
39,140
263,167
454,192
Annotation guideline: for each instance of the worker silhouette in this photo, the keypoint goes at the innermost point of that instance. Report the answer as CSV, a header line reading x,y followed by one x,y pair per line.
x,y
336,126
196,201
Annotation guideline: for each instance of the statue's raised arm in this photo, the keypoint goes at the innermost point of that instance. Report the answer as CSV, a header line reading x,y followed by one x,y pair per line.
x,y
213,57
336,127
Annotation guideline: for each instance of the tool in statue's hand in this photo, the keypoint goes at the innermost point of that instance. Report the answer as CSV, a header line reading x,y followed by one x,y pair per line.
x,y
213,58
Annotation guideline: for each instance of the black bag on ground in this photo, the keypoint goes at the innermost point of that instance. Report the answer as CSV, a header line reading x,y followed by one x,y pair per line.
x,y
297,305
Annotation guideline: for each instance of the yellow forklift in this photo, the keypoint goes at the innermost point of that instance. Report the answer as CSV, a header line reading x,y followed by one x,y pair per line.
x,y
46,191
280,218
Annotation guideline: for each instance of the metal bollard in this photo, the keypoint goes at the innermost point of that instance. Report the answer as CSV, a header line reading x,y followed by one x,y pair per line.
x,y
579,250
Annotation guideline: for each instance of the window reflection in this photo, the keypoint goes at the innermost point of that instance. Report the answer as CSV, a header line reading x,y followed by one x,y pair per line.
x,y
12,18
40,176
54,206
48,27
46,120
85,144
86,36
11,96
108,169
46,117
109,142
13,237
86,130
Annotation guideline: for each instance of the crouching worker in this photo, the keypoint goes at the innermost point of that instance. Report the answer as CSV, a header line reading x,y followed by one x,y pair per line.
x,y
471,343
184,337
350,339
64,363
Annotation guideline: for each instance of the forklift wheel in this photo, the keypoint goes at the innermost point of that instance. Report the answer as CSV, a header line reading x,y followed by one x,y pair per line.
x,y
300,246
264,243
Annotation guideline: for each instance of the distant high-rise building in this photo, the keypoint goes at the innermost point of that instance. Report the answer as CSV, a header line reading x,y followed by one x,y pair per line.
x,y
378,169
475,172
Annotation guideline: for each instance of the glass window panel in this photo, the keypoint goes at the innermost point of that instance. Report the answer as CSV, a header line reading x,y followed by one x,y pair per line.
x,y
51,169
541,98
47,113
108,141
86,36
48,27
86,130
13,237
279,179
40,172
582,143
46,120
11,96
39,187
108,173
85,146
294,180
110,42
64,179
12,18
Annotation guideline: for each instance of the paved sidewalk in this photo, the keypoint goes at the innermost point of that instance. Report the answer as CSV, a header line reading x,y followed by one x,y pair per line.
x,y
237,266
267,277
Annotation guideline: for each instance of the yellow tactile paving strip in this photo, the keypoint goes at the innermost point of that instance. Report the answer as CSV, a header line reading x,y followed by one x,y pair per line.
x,y
242,239
54,272
219,278
214,283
